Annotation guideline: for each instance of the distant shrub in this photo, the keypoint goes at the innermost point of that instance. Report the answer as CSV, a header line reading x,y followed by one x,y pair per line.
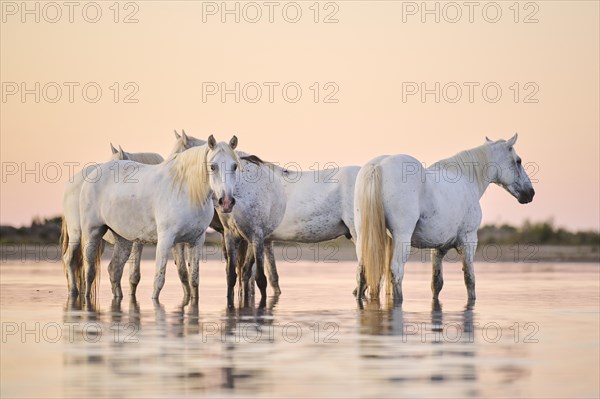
x,y
541,233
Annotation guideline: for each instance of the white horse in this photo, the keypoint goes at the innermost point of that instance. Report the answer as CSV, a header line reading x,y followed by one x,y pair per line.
x,y
148,158
260,206
398,203
167,204
71,232
182,143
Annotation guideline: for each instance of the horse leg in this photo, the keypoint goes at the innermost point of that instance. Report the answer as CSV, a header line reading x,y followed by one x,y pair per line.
x,y
194,254
399,256
182,270
92,240
230,244
121,253
258,246
247,276
361,282
467,252
164,244
134,266
272,268
437,278
242,253
72,260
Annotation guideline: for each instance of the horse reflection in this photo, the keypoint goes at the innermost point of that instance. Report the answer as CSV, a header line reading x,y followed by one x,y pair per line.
x,y
245,323
438,334
376,319
163,346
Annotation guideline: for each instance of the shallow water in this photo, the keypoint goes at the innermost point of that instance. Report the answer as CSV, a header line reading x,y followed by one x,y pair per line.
x,y
534,332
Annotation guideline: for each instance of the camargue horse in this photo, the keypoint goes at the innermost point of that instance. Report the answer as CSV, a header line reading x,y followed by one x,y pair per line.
x,y
71,232
182,143
166,204
148,158
260,206
399,203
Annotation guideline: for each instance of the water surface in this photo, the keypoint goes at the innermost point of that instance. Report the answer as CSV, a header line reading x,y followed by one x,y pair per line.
x,y
533,332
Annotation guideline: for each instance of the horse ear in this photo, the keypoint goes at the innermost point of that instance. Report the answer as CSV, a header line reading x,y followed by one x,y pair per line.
x,y
113,149
177,136
121,153
511,142
233,142
184,137
212,143
487,140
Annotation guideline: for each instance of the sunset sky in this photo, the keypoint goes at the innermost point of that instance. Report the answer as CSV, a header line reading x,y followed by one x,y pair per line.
x,y
364,65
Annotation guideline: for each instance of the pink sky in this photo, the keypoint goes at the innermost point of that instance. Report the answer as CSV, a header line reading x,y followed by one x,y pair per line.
x,y
370,56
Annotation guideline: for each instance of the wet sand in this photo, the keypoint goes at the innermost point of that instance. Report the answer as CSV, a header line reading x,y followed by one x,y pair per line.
x,y
533,332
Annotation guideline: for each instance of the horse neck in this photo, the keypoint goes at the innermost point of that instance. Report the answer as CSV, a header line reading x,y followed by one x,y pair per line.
x,y
473,165
148,158
177,148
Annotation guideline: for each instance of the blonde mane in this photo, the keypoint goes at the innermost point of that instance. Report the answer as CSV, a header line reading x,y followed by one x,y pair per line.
x,y
471,163
189,168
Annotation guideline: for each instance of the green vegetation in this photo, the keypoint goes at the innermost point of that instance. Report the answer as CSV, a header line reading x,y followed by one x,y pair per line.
x,y
540,233
41,231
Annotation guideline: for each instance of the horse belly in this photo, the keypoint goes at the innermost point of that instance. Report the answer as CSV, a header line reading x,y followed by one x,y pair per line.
x,y
433,235
130,220
311,229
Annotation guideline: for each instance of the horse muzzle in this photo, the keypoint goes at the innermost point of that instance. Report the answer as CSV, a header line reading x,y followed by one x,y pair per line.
x,y
527,196
227,203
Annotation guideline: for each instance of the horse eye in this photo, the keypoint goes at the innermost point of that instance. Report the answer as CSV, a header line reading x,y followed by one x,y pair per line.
x,y
235,166
519,161
213,167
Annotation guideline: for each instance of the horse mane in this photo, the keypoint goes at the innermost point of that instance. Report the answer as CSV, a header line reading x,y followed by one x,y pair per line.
x,y
189,168
148,158
469,161
253,159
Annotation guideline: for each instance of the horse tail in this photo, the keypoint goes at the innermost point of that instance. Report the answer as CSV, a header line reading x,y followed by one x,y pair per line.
x,y
374,241
64,237
77,256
